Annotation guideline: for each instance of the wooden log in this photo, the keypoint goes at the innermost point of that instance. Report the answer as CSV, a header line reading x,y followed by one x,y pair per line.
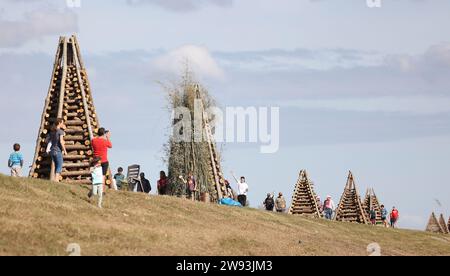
x,y
75,157
77,147
76,173
74,138
76,165
74,123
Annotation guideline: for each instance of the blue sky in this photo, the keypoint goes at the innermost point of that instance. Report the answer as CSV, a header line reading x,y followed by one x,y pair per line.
x,y
359,89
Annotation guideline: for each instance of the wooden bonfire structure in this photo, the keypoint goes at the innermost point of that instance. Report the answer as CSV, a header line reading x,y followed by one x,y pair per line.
x,y
448,224
434,226
443,224
69,97
371,201
304,200
350,208
197,152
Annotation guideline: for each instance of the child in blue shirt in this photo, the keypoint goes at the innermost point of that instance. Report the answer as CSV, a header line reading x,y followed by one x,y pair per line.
x,y
15,162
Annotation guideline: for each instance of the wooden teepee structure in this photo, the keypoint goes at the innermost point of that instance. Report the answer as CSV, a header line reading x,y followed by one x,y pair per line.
x,y
304,199
448,224
371,201
69,97
443,224
350,208
197,152
433,225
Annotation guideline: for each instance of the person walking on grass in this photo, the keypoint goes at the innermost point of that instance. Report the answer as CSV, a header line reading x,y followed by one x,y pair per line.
x,y
97,180
394,217
328,208
15,162
280,203
384,214
119,177
57,147
100,145
242,190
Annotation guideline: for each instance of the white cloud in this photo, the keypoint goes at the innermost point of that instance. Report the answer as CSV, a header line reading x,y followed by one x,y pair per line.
x,y
199,59
35,25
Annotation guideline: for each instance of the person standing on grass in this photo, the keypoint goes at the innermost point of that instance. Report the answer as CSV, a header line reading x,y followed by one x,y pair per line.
x,y
57,147
280,203
163,183
242,190
384,214
373,216
15,162
119,177
145,186
269,203
101,144
97,180
394,217
328,208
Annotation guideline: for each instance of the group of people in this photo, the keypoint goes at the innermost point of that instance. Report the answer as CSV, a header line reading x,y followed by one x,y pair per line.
x,y
278,204
100,168
327,208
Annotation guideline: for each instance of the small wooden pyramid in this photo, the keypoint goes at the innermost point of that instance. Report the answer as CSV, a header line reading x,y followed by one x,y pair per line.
x,y
350,208
371,201
443,224
448,224
433,225
304,200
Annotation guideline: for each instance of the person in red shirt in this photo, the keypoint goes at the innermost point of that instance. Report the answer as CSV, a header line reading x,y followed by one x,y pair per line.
x,y
100,145
163,183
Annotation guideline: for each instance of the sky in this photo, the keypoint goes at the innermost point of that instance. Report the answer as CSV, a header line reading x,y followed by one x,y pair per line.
x,y
361,89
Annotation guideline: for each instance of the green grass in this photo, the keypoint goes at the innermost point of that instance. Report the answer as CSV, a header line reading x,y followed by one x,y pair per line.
x,y
42,218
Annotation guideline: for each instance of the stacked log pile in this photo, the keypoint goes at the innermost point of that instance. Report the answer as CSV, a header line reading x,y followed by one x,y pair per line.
x,y
371,201
443,224
69,97
350,207
304,199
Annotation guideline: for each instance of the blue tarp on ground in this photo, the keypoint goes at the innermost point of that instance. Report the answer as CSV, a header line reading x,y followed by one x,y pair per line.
x,y
230,202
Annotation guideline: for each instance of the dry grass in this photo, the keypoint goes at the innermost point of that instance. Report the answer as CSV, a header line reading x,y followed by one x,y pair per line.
x,y
42,218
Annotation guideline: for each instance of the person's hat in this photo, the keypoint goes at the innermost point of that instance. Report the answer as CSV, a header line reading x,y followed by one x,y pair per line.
x,y
328,196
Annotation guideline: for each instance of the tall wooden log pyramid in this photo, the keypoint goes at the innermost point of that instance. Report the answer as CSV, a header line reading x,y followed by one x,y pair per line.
x,y
304,200
443,224
197,152
69,97
433,225
371,201
350,207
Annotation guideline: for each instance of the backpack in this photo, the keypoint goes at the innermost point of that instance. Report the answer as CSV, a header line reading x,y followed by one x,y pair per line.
x,y
270,203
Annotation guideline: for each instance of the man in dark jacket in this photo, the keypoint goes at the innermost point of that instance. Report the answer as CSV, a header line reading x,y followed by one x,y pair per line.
x,y
145,185
269,203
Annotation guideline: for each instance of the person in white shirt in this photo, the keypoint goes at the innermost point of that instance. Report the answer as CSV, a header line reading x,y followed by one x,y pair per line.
x,y
242,190
97,180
